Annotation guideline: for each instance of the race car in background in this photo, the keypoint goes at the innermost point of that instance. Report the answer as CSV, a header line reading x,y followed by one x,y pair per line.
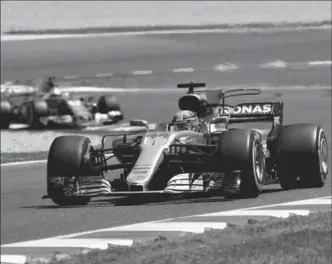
x,y
219,159
51,108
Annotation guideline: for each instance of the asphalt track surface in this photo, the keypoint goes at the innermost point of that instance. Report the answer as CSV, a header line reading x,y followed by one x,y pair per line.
x,y
162,53
24,216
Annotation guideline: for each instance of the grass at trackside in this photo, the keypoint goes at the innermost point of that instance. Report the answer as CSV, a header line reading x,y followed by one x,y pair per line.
x,y
17,157
294,240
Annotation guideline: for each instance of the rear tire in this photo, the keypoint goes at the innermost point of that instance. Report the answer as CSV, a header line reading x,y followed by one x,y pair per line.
x,y
242,150
302,156
36,110
107,103
6,114
65,160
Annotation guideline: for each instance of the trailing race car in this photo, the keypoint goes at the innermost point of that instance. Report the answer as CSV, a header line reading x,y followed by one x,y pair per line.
x,y
55,109
217,159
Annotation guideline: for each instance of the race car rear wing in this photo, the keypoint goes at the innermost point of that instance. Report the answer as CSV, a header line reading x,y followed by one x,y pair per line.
x,y
255,112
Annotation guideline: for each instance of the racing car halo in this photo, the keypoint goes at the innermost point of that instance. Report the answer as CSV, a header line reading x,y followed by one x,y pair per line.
x,y
26,105
218,159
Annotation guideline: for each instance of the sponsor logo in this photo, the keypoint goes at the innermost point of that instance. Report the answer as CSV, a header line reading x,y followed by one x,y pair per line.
x,y
137,177
246,109
139,174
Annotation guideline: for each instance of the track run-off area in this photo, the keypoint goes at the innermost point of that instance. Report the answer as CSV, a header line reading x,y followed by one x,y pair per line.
x,y
294,67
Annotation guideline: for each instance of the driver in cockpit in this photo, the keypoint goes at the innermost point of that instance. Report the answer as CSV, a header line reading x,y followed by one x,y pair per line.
x,y
48,88
186,120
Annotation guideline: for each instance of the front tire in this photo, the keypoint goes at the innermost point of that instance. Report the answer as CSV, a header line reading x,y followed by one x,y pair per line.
x,y
242,150
66,160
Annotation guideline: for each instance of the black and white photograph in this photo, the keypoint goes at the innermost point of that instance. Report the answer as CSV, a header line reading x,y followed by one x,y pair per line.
x,y
166,132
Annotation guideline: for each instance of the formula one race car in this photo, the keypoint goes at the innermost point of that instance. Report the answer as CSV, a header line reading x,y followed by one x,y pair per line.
x,y
219,159
55,109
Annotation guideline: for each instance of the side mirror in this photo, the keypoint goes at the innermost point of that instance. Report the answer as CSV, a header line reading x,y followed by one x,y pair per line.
x,y
139,122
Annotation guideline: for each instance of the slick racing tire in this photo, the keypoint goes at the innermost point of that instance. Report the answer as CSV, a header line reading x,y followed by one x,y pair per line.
x,y
36,110
107,103
65,160
242,150
5,114
302,156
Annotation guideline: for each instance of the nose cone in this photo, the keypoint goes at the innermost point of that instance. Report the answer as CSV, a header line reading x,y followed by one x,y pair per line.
x,y
148,162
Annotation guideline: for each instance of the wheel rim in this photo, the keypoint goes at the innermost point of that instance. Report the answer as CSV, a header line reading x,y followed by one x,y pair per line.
x,y
323,158
258,163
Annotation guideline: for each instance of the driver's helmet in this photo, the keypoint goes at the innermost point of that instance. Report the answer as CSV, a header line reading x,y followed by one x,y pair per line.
x,y
47,85
185,120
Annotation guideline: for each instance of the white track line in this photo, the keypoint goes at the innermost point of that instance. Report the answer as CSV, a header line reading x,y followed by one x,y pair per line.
x,y
184,70
279,64
141,72
193,227
93,243
96,89
322,201
273,213
71,77
176,90
227,67
13,259
302,202
104,75
19,163
5,38
320,63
